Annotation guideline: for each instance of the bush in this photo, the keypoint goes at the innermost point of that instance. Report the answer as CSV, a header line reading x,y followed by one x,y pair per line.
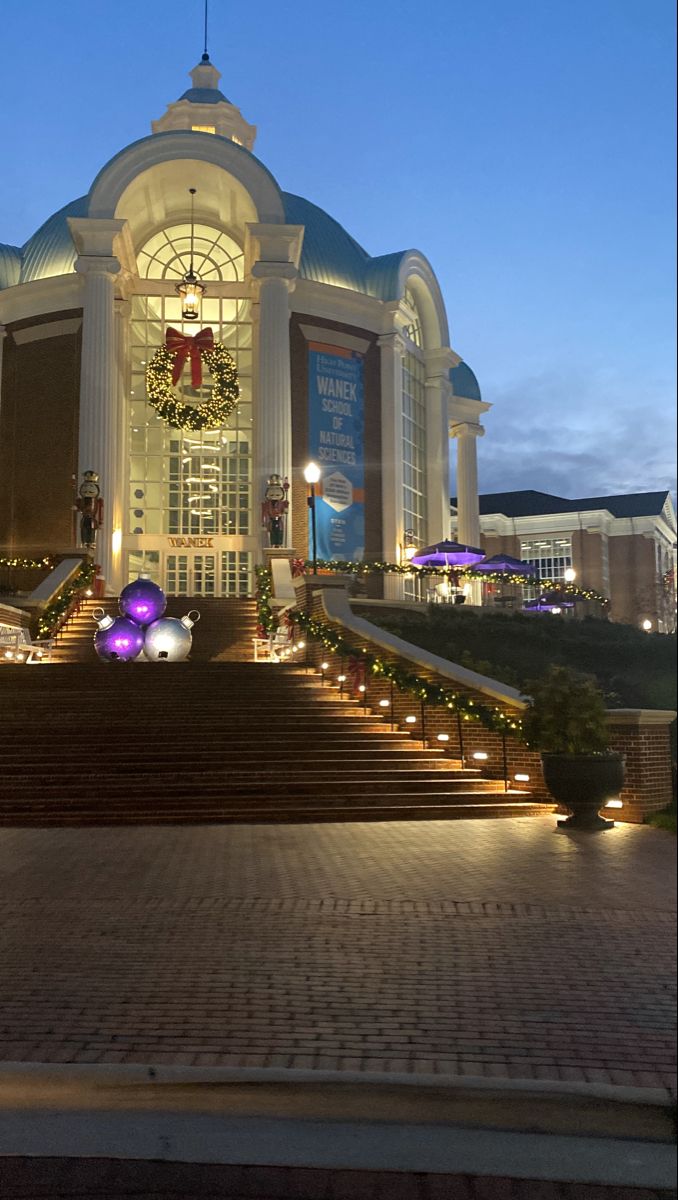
x,y
567,714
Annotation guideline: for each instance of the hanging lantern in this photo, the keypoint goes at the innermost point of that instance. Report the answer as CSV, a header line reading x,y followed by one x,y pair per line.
x,y
116,639
142,601
170,639
191,290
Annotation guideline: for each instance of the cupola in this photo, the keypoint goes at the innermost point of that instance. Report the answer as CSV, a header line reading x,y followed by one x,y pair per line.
x,y
203,108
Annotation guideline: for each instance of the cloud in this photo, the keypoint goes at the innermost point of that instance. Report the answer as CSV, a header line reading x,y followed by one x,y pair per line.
x,y
576,434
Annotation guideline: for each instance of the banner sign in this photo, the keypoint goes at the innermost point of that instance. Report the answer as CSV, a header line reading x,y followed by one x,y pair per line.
x,y
336,443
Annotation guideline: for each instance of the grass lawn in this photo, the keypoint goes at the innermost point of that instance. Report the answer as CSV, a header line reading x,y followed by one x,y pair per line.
x,y
663,820
633,669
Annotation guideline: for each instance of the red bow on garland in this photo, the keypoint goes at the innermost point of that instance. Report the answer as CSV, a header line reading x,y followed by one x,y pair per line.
x,y
356,670
298,567
184,347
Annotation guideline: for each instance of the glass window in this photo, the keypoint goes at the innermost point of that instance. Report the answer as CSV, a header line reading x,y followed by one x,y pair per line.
x,y
550,556
414,330
184,481
216,255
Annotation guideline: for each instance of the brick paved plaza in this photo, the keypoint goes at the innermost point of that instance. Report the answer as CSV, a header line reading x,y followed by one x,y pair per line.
x,y
484,948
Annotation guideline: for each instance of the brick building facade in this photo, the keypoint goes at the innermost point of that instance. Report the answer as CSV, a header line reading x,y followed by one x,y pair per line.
x,y
621,546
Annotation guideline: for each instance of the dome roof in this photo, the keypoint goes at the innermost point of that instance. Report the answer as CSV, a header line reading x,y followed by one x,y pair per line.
x,y
464,382
330,255
198,95
50,251
10,265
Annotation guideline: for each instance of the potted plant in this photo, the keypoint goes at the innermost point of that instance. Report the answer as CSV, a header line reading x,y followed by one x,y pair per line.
x,y
566,722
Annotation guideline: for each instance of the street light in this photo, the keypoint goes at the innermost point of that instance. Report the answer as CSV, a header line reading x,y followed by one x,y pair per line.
x,y
570,574
312,475
409,544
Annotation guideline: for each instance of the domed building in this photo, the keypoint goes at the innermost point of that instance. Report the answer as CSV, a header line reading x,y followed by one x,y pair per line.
x,y
308,349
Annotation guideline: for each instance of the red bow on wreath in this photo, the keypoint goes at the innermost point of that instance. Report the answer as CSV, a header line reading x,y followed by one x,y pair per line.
x,y
184,347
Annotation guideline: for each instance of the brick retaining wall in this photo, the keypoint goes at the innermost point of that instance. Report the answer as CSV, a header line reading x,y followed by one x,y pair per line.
x,y
643,736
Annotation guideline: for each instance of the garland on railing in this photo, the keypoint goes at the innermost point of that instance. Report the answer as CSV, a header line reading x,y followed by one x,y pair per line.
x,y
28,563
407,681
265,614
345,567
51,618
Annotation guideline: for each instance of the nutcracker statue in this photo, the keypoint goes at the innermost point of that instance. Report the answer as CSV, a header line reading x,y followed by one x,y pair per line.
x,y
90,505
274,509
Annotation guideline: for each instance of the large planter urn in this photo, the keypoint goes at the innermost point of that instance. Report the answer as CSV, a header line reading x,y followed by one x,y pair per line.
x,y
584,783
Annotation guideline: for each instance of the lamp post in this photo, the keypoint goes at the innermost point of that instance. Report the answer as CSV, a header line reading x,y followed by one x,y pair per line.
x,y
312,475
409,547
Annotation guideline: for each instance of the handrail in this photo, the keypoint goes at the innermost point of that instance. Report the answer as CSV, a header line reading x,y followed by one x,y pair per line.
x,y
335,602
48,589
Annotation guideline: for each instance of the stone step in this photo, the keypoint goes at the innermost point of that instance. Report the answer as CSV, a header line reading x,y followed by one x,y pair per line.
x,y
281,815
167,786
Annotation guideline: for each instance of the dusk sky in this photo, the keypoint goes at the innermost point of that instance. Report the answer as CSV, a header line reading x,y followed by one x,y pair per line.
x,y
525,146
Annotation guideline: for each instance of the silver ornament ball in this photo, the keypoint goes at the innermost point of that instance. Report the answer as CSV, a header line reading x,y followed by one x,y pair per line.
x,y
169,639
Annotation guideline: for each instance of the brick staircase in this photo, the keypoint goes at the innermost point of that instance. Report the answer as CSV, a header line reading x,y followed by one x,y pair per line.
x,y
226,740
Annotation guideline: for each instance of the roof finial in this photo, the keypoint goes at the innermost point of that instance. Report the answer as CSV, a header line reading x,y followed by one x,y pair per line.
x,y
205,54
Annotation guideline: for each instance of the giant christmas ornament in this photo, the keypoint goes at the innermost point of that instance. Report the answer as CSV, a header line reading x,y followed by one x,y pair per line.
x,y
117,639
142,601
170,639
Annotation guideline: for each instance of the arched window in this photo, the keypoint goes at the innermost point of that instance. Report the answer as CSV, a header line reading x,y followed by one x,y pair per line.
x,y
413,330
184,484
216,256
414,435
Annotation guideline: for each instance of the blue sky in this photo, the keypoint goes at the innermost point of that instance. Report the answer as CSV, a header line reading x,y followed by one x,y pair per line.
x,y
525,146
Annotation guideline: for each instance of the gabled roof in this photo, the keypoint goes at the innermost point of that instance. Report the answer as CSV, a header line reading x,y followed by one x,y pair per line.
x,y
531,503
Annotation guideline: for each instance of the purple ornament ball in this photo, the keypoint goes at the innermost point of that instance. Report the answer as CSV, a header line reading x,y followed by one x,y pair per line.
x,y
120,641
142,601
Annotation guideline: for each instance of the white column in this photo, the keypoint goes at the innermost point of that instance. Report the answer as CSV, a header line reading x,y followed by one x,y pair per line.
x,y
392,348
99,411
3,335
468,508
438,392
273,414
119,499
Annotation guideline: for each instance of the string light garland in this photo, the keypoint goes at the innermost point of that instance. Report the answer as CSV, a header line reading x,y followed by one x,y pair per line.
x,y
28,563
53,615
212,413
265,615
406,681
345,567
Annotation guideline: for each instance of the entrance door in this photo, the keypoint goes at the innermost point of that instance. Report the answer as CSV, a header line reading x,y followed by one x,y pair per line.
x,y
191,574
224,573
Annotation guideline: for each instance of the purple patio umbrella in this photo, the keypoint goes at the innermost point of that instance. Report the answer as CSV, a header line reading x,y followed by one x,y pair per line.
x,y
506,563
448,554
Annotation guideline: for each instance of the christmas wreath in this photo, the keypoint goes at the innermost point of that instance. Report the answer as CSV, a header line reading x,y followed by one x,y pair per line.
x,y
164,370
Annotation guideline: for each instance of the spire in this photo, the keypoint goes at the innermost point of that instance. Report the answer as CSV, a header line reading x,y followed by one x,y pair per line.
x,y
205,53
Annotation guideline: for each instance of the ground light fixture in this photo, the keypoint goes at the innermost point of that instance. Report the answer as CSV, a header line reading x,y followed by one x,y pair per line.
x,y
312,476
191,290
646,625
